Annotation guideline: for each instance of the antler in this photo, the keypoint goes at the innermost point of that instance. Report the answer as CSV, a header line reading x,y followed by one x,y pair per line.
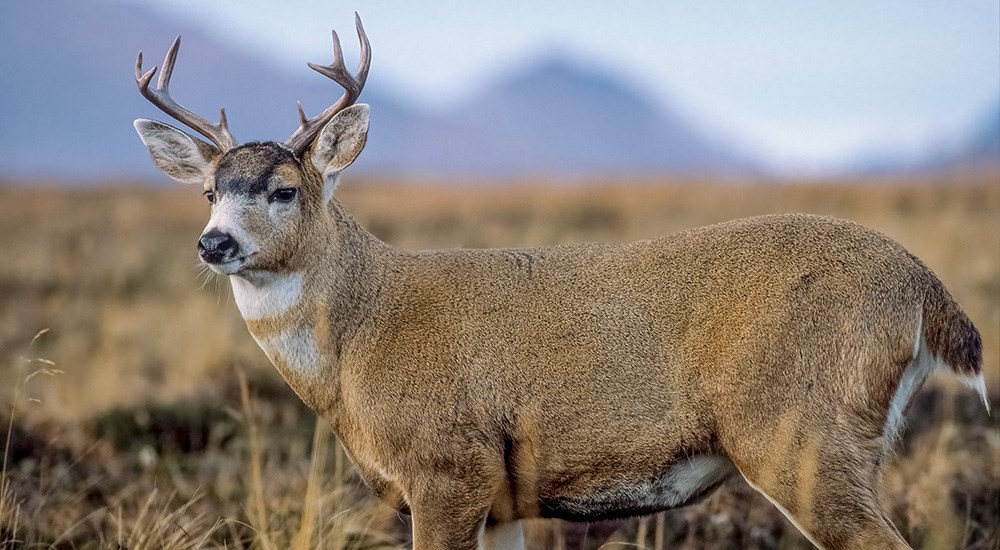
x,y
308,128
160,96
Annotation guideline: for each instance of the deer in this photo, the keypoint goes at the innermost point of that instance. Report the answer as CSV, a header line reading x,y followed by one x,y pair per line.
x,y
476,388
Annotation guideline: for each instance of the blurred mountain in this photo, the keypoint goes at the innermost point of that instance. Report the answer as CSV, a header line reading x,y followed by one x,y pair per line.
x,y
983,146
68,100
977,150
555,116
68,97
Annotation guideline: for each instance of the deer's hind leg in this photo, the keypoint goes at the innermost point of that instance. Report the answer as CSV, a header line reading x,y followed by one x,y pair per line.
x,y
826,482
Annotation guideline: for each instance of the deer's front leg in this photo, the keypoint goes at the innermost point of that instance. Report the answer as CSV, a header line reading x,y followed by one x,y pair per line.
x,y
449,513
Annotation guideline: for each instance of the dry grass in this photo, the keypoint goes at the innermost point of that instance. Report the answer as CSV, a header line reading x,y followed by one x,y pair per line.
x,y
151,437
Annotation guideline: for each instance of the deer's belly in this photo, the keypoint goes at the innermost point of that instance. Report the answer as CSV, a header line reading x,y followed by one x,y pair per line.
x,y
687,481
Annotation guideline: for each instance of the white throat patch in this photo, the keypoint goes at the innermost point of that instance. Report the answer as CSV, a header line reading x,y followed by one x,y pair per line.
x,y
294,349
268,299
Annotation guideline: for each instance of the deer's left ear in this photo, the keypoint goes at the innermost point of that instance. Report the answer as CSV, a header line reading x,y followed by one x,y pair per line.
x,y
339,144
184,158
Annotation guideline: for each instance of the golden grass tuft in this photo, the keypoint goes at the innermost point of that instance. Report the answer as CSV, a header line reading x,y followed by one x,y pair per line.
x,y
259,509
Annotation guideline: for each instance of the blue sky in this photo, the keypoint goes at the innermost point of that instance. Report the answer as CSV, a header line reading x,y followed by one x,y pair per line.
x,y
807,85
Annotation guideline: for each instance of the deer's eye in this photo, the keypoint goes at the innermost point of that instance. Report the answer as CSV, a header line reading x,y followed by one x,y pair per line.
x,y
210,195
283,195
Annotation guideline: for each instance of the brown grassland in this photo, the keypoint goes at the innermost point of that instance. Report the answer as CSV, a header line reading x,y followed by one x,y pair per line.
x,y
146,416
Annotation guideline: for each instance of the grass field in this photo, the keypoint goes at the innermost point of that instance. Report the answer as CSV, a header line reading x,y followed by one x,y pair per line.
x,y
145,415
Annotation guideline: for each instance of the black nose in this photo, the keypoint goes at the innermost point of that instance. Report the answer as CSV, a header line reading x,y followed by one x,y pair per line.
x,y
215,246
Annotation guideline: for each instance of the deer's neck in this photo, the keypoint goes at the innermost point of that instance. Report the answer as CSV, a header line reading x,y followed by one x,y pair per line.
x,y
305,320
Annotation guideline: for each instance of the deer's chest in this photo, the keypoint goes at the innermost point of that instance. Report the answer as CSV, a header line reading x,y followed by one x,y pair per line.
x,y
292,351
271,299
274,313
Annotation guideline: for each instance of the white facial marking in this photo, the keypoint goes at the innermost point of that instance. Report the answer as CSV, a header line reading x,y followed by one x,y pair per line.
x,y
268,299
227,217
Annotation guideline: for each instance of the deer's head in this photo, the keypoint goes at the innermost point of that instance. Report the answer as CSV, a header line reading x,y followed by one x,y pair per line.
x,y
263,194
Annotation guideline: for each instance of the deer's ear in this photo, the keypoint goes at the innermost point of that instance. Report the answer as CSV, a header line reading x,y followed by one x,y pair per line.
x,y
339,144
184,158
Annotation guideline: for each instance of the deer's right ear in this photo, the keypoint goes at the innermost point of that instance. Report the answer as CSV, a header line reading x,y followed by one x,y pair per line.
x,y
339,144
184,158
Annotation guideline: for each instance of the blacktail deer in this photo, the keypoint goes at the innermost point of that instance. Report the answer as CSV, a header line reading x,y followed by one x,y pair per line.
x,y
476,388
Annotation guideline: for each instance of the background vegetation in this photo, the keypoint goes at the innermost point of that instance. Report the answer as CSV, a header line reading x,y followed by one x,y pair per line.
x,y
145,416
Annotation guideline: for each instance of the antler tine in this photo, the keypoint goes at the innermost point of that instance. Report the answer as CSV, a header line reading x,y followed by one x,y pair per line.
x,y
365,62
302,114
337,68
337,71
160,96
167,69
